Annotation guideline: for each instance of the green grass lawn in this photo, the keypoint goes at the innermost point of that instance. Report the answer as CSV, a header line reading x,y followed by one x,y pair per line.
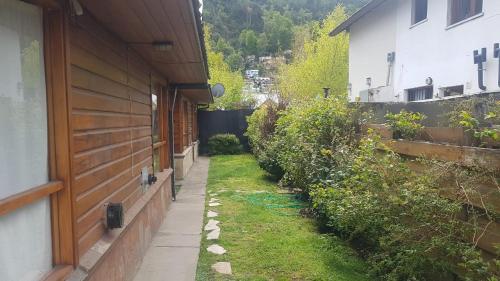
x,y
264,234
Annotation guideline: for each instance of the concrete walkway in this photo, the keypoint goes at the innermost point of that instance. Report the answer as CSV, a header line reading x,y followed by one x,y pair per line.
x,y
173,254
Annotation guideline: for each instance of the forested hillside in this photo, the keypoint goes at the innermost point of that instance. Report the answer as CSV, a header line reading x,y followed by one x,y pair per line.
x,y
262,27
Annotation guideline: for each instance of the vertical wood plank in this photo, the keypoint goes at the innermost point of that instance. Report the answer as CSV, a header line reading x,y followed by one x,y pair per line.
x,y
57,67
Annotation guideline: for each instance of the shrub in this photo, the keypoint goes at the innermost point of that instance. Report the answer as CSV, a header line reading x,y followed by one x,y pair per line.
x,y
260,132
406,125
224,144
307,136
395,217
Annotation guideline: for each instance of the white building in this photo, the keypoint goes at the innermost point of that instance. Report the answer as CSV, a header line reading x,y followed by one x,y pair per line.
x,y
410,50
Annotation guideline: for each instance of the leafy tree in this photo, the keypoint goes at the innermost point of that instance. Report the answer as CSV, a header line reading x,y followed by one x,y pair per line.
x,y
321,61
262,44
235,62
222,46
248,42
230,18
279,31
220,72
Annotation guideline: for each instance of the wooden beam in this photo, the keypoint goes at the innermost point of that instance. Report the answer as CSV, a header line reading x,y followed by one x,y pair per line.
x,y
57,73
59,273
27,197
49,4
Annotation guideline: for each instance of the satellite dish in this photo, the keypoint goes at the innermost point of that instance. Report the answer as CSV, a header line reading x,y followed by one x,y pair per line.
x,y
218,90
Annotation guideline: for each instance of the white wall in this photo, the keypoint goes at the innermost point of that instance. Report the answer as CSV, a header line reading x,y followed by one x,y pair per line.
x,y
371,38
429,49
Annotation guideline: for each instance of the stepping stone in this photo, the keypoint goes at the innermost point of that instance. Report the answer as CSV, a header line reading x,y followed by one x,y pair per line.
x,y
211,225
213,200
214,234
214,204
223,268
211,214
216,249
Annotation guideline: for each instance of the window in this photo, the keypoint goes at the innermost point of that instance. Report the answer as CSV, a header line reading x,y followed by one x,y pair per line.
x,y
422,93
159,133
460,10
452,91
25,233
419,11
185,132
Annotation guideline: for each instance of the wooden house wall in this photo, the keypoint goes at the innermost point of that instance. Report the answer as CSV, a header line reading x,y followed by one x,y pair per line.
x,y
111,120
185,131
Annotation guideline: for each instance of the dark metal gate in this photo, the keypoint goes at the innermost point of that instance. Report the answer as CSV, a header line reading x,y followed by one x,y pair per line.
x,y
223,122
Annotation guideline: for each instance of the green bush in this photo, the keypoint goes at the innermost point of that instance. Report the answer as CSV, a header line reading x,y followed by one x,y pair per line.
x,y
392,215
224,144
260,132
395,218
307,136
405,125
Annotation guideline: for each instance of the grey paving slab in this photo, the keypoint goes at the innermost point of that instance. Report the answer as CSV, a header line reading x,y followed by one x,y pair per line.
x,y
173,253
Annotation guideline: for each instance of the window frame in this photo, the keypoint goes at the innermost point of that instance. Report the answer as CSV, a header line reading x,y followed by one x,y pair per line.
x,y
58,189
162,144
414,11
409,92
451,22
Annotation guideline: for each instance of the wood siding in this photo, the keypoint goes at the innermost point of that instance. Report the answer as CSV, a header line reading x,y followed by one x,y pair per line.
x,y
184,124
111,117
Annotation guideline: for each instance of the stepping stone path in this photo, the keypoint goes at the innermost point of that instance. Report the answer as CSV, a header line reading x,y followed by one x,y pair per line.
x,y
212,214
223,268
212,226
213,235
216,249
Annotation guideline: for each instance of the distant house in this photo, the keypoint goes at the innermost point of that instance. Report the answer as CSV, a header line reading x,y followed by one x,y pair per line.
x,y
412,50
251,73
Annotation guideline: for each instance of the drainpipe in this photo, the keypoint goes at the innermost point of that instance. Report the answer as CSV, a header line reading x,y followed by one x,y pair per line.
x,y
496,54
172,147
479,59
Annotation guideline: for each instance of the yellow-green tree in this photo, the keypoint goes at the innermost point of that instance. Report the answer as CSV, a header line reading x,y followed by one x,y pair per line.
x,y
320,61
220,72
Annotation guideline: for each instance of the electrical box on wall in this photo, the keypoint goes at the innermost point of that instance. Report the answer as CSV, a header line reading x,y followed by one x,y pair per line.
x,y
114,215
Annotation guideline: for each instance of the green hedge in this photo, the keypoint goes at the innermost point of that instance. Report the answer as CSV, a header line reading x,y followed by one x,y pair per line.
x,y
391,214
224,144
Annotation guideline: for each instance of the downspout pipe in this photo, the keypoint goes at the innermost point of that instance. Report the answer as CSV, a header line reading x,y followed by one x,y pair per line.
x,y
172,145
496,54
479,59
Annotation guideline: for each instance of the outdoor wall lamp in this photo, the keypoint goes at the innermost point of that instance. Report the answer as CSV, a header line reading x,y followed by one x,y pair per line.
x,y
369,82
163,46
479,59
496,54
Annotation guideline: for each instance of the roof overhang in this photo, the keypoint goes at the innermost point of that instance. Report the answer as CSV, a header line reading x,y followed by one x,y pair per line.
x,y
195,92
142,23
370,6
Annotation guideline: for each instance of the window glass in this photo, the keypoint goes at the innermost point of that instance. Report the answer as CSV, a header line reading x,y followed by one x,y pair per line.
x,y
25,234
463,9
23,102
156,119
156,161
422,93
419,11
